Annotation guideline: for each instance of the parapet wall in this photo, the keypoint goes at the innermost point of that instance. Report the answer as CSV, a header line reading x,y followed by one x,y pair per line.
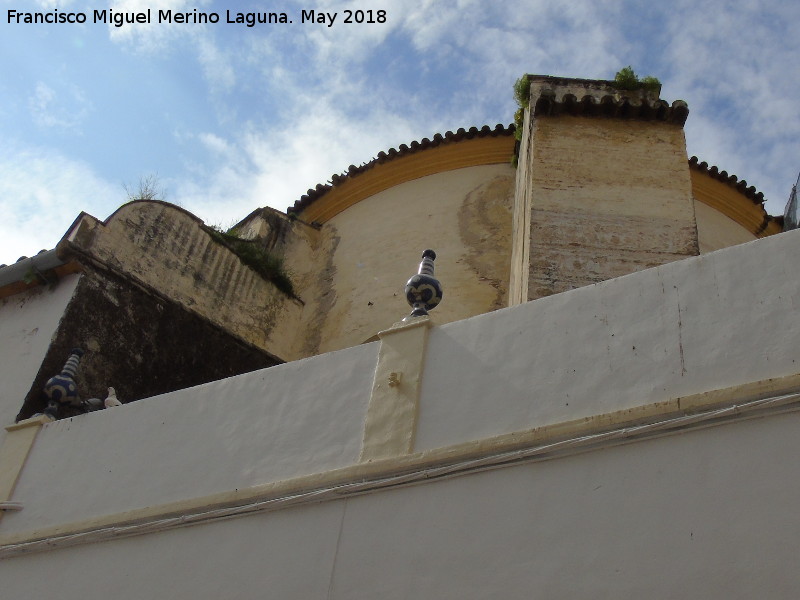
x,y
169,250
649,345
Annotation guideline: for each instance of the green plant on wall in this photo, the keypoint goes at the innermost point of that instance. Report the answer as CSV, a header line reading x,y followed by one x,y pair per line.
x,y
263,262
626,79
522,95
30,277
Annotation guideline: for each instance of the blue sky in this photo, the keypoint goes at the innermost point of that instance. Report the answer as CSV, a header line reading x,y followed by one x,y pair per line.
x,y
233,118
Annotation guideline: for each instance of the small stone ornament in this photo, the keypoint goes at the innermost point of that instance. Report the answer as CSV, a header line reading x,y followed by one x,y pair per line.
x,y
112,400
423,291
61,388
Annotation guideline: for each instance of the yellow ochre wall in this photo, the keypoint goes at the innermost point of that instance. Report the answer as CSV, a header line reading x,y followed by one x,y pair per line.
x,y
376,246
598,198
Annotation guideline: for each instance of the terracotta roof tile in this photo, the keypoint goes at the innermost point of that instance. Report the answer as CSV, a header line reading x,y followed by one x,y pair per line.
x,y
547,104
403,149
608,106
733,181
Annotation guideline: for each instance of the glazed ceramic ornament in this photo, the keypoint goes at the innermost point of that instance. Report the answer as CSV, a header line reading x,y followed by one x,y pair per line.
x,y
62,389
423,290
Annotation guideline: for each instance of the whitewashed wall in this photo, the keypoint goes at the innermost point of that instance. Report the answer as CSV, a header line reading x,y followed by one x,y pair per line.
x,y
706,514
708,322
705,323
27,323
263,426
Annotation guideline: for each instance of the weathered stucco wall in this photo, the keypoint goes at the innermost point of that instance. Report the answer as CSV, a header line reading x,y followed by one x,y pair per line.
x,y
306,254
27,323
137,342
608,197
716,231
521,219
376,246
166,248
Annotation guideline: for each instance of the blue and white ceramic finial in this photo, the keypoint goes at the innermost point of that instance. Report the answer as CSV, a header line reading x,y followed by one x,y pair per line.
x,y
423,290
61,388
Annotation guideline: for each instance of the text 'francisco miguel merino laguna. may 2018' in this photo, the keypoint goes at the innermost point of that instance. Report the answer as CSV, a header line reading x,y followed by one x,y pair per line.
x,y
194,17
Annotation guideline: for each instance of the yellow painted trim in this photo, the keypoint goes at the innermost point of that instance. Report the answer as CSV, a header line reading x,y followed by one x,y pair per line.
x,y
14,452
731,202
390,427
400,465
445,157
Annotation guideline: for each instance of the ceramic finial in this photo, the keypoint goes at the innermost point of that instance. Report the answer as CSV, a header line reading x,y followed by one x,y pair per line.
x,y
423,290
61,388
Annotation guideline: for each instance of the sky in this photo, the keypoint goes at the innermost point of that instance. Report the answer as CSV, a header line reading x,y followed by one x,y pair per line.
x,y
230,118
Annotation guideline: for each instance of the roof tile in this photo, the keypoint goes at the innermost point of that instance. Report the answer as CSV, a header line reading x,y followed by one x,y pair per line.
x,y
416,146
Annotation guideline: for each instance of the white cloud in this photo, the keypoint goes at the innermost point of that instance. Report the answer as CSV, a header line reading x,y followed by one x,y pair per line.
x,y
153,36
345,42
217,145
159,37
736,68
217,66
731,58
339,95
39,193
65,111
274,167
52,4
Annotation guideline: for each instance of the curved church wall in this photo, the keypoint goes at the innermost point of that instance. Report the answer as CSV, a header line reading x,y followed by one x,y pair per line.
x,y
376,245
716,231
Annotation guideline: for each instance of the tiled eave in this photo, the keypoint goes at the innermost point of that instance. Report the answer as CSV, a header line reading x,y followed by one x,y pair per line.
x,y
733,198
29,272
490,153
547,104
739,184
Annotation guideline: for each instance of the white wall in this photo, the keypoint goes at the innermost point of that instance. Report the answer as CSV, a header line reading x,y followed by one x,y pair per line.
x,y
708,322
298,418
705,323
28,322
705,514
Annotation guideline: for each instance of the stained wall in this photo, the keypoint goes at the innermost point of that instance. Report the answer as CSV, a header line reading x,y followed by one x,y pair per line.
x,y
28,322
375,246
137,342
608,197
167,249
